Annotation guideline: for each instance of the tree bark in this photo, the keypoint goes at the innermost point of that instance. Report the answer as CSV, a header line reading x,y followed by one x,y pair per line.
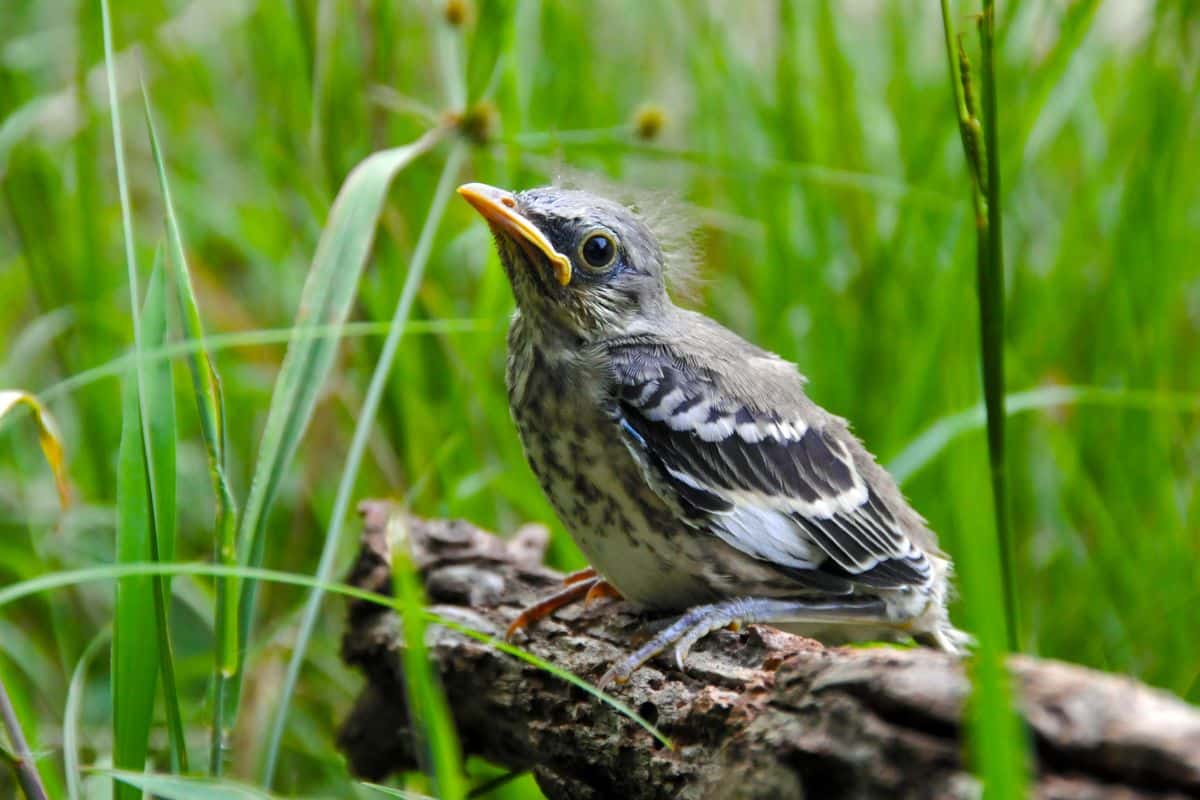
x,y
757,714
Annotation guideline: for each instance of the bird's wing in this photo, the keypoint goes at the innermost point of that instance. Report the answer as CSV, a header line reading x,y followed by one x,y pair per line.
x,y
776,479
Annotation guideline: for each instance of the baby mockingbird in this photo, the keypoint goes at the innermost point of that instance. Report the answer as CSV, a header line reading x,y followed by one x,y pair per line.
x,y
688,464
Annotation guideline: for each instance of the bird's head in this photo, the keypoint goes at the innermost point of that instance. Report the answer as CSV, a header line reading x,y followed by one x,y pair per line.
x,y
577,262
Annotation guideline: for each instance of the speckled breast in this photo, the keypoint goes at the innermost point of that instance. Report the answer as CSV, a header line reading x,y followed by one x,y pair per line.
x,y
626,531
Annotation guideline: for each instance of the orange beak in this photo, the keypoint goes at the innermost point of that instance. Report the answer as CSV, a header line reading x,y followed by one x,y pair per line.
x,y
498,207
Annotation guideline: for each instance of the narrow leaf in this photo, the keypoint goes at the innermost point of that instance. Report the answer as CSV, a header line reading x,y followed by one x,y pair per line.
x,y
173,787
363,426
433,724
933,441
52,581
71,715
135,643
328,292
206,387
158,405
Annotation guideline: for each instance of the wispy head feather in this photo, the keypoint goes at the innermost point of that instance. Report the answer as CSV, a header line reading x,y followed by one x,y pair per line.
x,y
668,219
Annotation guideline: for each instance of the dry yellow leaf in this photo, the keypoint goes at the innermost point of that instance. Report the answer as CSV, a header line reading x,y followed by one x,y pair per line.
x,y
47,436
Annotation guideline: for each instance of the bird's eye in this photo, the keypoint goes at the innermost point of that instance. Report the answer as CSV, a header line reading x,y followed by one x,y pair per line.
x,y
598,251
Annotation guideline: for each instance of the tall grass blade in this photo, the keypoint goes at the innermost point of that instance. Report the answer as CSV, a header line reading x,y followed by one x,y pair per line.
x,y
149,479
996,742
174,787
328,291
934,440
135,641
159,425
206,387
48,436
433,726
252,338
78,577
145,531
71,715
388,791
364,426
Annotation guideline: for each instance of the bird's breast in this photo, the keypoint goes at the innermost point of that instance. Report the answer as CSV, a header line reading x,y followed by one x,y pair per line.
x,y
598,490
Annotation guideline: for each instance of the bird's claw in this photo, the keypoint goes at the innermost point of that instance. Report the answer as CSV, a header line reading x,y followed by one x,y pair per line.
x,y
623,671
683,633
585,584
570,593
618,674
600,590
681,653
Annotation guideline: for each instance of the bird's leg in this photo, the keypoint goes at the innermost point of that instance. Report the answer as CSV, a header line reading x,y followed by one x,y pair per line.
x,y
703,620
583,584
579,575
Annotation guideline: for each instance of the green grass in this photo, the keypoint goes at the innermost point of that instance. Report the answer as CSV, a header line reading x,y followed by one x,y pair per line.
x,y
816,144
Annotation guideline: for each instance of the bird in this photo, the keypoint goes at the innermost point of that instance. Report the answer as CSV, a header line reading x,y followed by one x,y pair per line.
x,y
689,465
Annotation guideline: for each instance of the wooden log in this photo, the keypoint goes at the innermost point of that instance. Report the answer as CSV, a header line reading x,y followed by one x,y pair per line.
x,y
757,714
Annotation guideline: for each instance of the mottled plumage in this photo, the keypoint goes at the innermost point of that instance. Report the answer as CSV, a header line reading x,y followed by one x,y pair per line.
x,y
688,464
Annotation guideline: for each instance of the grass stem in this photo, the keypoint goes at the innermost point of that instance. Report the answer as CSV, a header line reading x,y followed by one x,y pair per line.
x,y
983,165
990,275
22,759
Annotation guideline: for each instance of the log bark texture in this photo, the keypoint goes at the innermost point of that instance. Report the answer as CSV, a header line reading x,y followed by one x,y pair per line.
x,y
758,713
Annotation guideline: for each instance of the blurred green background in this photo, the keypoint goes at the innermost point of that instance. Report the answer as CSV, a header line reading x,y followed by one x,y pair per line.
x,y
815,146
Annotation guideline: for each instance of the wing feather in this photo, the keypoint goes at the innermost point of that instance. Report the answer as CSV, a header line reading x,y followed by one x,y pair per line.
x,y
780,487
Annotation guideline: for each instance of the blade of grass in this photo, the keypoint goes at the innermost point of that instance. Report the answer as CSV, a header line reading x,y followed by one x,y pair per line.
x,y
433,726
225,341
159,401
135,644
390,792
210,406
618,140
364,425
71,714
139,529
174,787
328,291
78,577
556,671
145,530
996,742
931,442
21,758
48,437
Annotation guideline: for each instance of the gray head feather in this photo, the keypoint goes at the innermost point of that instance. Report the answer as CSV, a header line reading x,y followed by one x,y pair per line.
x,y
668,220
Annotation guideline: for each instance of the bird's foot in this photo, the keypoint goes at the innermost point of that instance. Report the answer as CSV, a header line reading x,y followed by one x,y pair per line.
x,y
703,620
585,574
584,584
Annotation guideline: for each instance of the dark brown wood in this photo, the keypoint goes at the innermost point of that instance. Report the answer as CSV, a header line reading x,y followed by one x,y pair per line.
x,y
758,714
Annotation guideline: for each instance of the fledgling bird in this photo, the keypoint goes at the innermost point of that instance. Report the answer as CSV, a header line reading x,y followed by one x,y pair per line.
x,y
689,465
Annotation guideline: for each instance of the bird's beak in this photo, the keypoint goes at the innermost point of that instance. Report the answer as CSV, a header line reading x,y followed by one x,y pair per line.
x,y
498,207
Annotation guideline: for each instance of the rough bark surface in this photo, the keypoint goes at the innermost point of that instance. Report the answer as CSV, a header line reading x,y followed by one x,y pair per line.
x,y
758,713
